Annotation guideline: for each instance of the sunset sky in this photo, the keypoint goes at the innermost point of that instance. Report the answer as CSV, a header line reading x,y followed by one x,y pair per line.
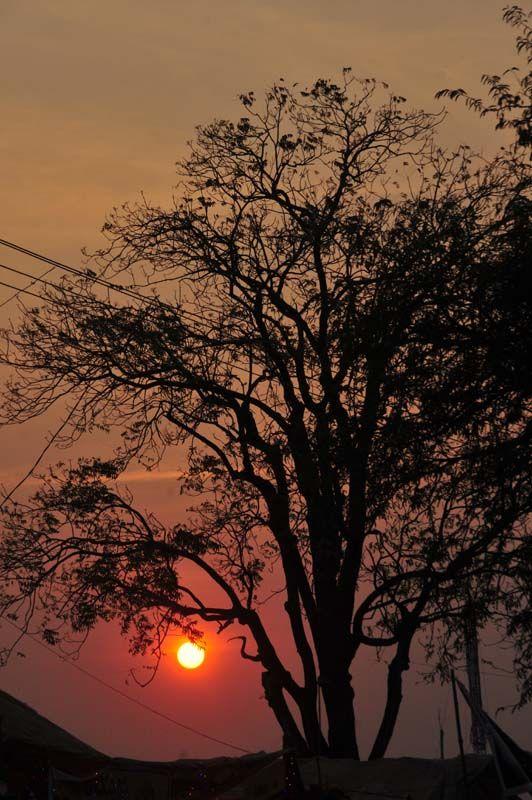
x,y
98,101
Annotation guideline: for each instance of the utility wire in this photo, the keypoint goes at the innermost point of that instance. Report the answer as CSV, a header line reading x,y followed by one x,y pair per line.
x,y
19,291
40,279
24,288
59,287
194,316
74,270
96,279
230,364
109,285
123,694
26,291
41,455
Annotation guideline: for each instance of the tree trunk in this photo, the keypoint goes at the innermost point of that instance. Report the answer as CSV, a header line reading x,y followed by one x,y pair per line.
x,y
338,697
313,734
274,695
398,665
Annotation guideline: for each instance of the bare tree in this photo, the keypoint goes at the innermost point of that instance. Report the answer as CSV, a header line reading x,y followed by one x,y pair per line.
x,y
317,333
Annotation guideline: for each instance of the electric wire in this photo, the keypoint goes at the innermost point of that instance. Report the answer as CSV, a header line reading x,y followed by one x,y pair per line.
x,y
74,270
65,288
28,286
41,455
25,291
123,694
19,291
56,264
40,279
109,285
54,301
96,279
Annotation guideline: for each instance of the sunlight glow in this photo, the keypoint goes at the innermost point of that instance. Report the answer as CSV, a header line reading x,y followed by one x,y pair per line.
x,y
190,655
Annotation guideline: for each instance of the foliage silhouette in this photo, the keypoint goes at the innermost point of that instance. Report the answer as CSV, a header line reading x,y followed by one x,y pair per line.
x,y
337,333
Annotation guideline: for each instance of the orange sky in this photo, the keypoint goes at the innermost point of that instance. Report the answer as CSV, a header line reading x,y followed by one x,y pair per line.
x,y
98,100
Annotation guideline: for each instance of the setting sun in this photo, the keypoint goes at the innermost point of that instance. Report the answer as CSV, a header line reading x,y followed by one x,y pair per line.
x,y
191,655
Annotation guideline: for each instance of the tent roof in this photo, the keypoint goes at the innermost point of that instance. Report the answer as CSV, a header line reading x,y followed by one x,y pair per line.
x,y
396,778
388,779
21,723
186,765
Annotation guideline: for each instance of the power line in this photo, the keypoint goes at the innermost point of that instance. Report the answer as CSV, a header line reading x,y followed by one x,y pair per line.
x,y
231,364
40,279
25,291
194,316
96,279
41,455
55,264
19,291
74,270
64,288
123,694
24,288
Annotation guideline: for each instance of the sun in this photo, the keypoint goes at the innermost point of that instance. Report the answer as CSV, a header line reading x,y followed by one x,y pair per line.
x,y
190,655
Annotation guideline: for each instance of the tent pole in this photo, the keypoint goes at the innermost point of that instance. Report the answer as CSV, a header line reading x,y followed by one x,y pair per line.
x,y
477,735
459,734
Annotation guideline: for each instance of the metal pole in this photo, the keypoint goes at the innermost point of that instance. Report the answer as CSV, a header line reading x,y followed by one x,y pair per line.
x,y
459,734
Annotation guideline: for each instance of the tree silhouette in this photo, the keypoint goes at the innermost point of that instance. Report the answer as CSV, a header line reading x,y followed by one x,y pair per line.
x,y
330,334
510,94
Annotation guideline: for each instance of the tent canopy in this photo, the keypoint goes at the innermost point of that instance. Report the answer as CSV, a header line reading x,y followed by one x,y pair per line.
x,y
20,723
386,779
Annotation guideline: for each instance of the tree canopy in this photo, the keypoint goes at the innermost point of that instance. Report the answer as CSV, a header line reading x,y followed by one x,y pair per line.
x,y
335,328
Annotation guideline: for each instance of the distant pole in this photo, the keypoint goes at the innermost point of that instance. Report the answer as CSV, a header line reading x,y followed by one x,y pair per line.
x,y
442,737
459,734
477,734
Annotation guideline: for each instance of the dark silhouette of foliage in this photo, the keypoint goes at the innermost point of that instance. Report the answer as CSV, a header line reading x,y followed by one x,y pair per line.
x,y
336,330
510,94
